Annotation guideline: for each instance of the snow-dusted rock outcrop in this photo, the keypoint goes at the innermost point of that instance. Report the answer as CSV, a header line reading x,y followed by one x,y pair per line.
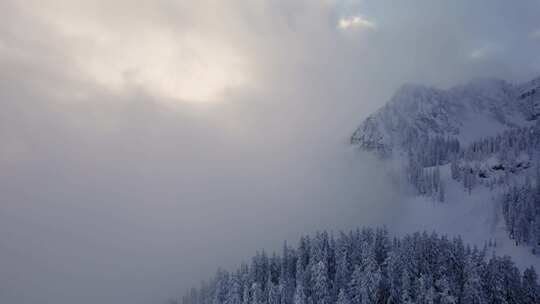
x,y
529,98
482,108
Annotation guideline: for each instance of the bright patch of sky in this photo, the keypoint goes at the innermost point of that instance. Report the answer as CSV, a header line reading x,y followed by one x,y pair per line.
x,y
354,22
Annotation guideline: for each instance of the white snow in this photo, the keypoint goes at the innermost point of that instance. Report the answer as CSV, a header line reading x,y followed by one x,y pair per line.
x,y
467,113
475,217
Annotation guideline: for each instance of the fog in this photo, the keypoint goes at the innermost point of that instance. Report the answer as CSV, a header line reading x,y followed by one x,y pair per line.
x,y
144,145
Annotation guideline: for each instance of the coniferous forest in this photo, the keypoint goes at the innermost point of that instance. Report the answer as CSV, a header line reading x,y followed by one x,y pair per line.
x,y
369,266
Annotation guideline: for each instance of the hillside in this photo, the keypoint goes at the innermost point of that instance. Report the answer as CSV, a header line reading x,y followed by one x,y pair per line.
x,y
478,142
369,266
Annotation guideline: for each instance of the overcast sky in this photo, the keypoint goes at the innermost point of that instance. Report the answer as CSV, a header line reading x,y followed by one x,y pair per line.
x,y
146,143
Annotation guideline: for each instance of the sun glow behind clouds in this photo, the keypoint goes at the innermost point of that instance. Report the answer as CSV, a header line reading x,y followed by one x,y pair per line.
x,y
175,64
194,69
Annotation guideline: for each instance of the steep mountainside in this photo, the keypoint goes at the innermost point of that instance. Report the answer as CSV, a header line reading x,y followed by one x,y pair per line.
x,y
467,113
483,135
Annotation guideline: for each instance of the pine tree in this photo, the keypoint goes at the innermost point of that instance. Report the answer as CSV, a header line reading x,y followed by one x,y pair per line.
x,y
444,295
454,169
245,296
355,286
369,281
473,289
300,295
395,270
343,264
256,294
320,292
531,290
234,295
426,293
274,295
442,192
406,297
342,297
287,281
494,282
222,287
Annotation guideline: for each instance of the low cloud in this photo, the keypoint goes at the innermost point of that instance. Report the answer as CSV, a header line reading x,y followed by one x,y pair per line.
x,y
484,52
535,34
356,22
479,53
112,195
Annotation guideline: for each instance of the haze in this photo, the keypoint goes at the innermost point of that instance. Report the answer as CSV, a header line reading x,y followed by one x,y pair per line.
x,y
144,144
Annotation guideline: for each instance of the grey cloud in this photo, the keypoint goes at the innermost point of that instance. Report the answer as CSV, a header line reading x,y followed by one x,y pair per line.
x,y
123,196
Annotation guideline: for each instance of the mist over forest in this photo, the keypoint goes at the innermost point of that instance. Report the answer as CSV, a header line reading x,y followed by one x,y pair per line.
x,y
146,145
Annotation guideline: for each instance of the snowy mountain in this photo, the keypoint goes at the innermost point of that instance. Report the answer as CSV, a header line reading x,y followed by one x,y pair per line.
x,y
471,153
482,108
482,137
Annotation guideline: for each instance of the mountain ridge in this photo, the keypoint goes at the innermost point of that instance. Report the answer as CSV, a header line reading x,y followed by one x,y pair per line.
x,y
418,110
482,134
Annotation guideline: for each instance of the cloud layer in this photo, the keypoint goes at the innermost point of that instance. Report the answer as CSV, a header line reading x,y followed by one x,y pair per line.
x,y
145,144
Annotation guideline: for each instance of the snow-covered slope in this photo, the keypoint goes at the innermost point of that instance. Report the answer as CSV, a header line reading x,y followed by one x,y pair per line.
x,y
477,143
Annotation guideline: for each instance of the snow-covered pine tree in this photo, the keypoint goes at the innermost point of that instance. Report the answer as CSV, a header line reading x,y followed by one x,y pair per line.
x,y
257,294
343,262
222,287
355,286
473,289
274,294
287,277
531,290
245,297
426,292
370,280
342,297
300,295
320,294
234,295
406,293
444,295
